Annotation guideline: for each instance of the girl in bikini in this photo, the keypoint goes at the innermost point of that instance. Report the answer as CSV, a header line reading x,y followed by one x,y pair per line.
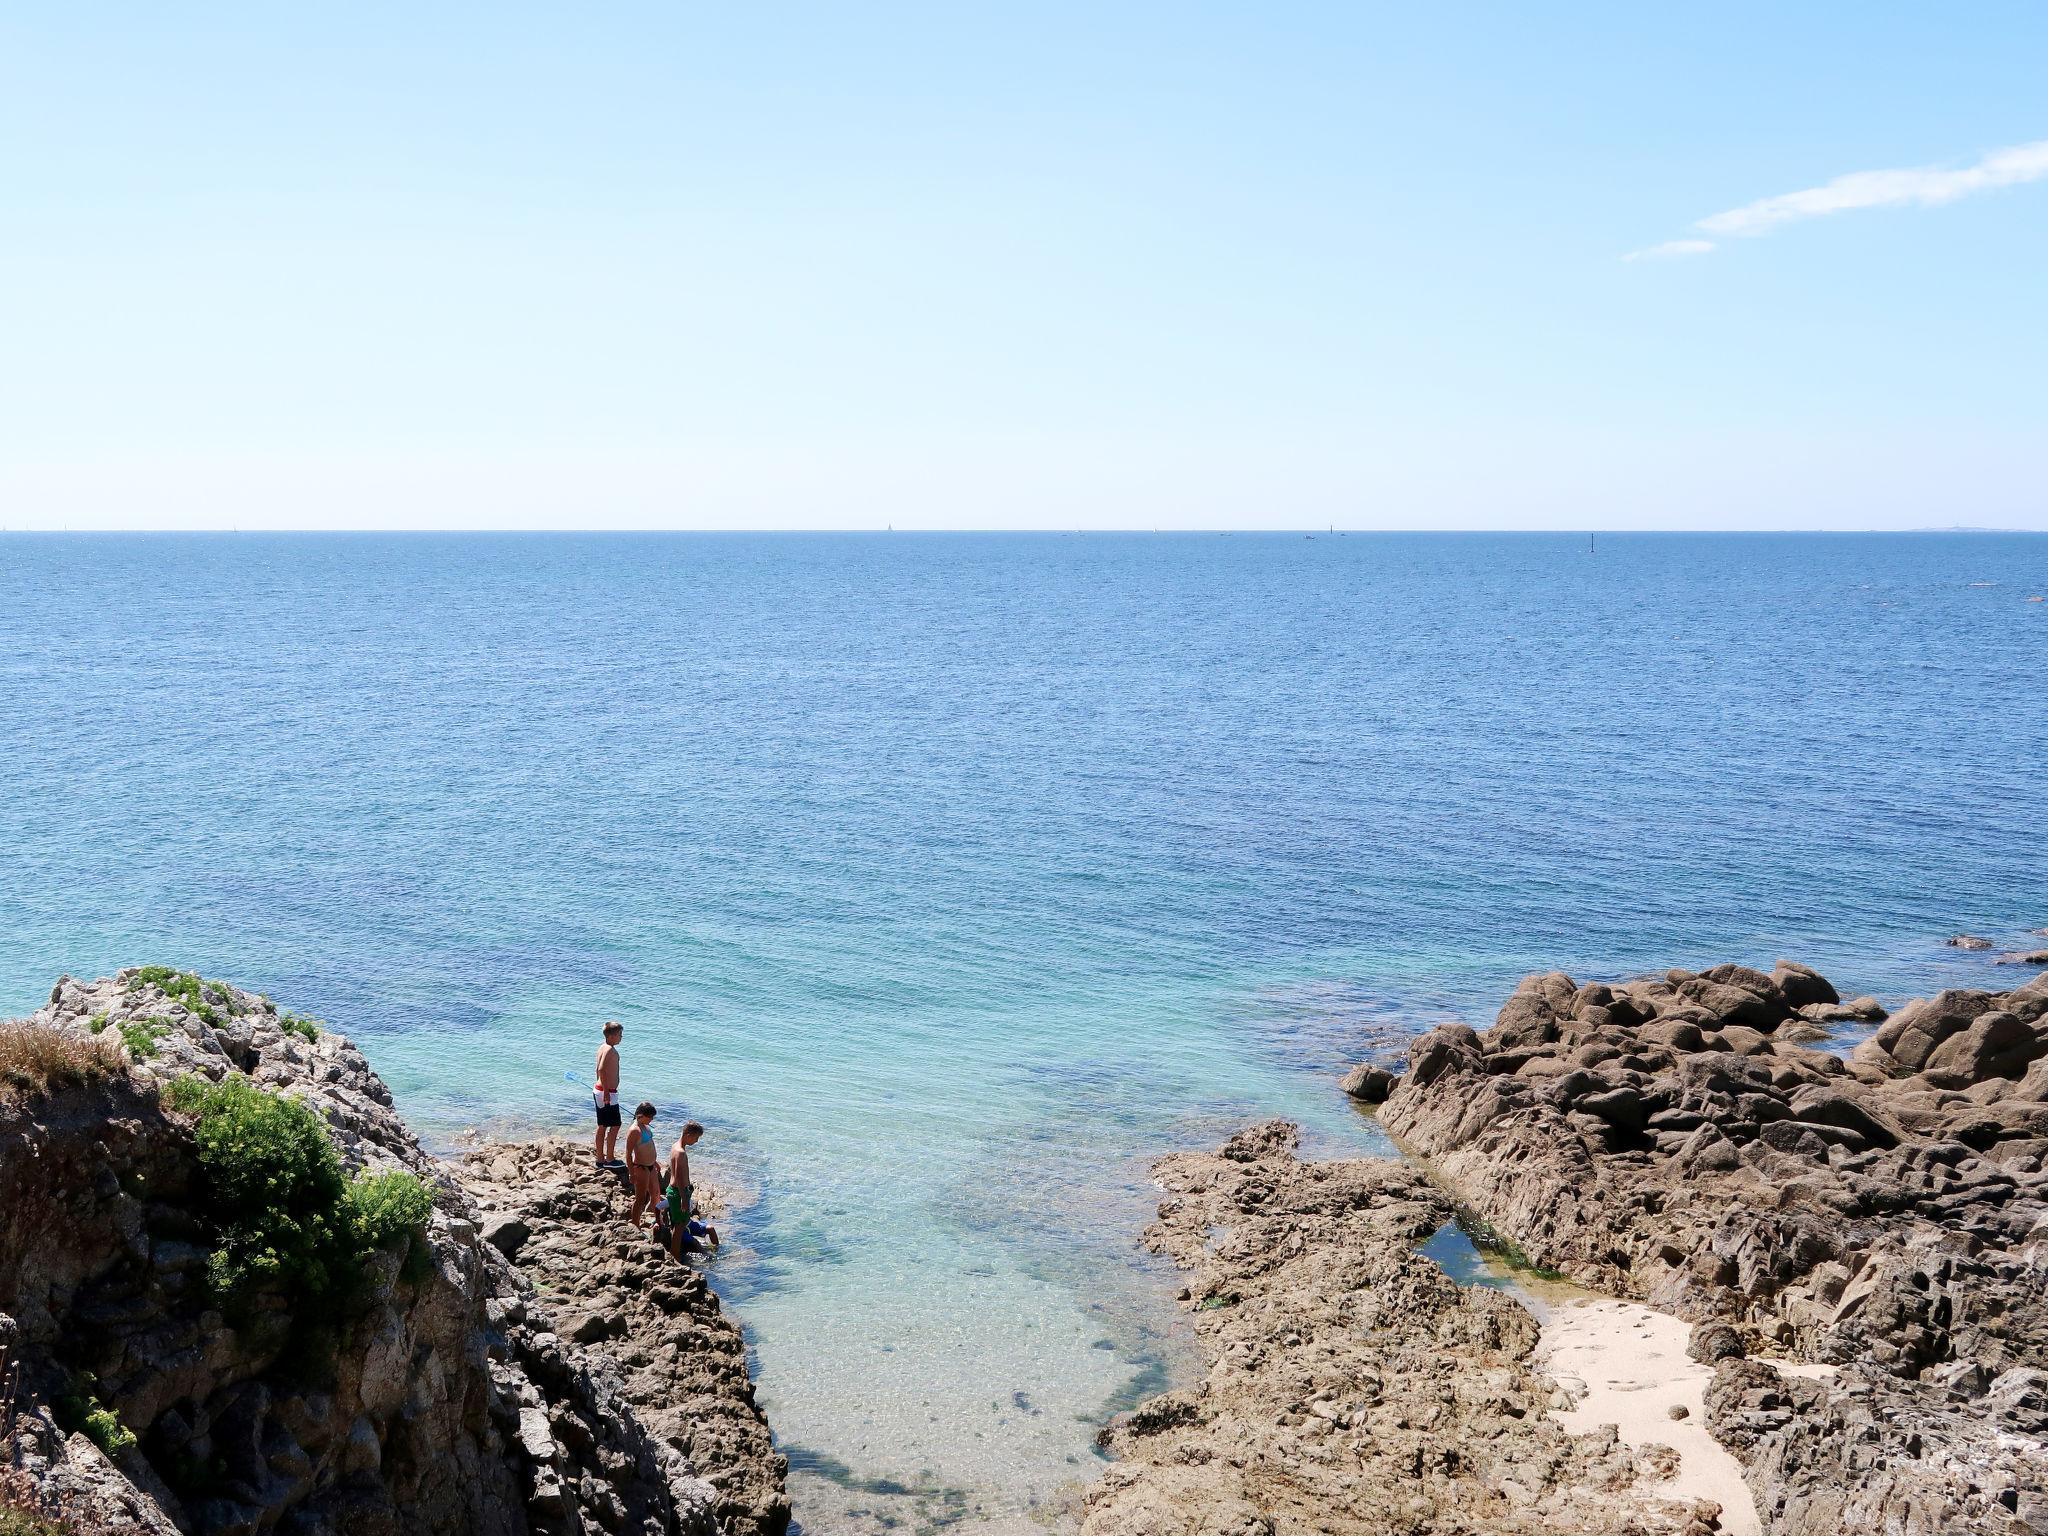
x,y
644,1161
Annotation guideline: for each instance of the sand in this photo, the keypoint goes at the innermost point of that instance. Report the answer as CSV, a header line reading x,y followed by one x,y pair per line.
x,y
1625,1364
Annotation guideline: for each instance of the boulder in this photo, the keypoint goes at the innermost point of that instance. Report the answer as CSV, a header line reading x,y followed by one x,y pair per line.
x,y
1967,941
507,1234
1678,1034
1802,986
1715,1342
1732,1004
1368,1084
1995,1044
1910,1035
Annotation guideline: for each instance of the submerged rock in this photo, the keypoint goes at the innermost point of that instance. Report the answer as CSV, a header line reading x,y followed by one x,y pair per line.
x,y
1885,1216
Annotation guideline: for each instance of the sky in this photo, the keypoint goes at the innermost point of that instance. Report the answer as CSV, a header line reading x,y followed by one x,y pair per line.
x,y
1103,265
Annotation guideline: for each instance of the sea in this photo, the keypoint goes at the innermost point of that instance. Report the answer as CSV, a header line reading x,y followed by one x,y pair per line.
x,y
950,879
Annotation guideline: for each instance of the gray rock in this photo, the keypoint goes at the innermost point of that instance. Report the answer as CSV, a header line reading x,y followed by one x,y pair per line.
x,y
507,1234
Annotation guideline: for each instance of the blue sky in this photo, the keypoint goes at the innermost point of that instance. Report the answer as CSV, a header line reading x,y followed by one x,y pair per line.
x,y
1106,265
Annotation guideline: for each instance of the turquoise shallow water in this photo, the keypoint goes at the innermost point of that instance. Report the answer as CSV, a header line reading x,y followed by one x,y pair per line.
x,y
950,878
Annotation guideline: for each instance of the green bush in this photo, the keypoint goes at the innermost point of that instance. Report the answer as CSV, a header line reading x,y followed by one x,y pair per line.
x,y
141,1036
298,1024
183,987
96,1023
384,1209
282,1214
83,1412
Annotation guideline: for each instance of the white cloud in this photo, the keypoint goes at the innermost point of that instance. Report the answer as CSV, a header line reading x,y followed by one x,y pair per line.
x,y
1671,248
1910,187
1922,187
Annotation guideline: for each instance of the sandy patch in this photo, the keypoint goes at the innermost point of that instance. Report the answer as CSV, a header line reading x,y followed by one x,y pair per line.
x,y
1626,1365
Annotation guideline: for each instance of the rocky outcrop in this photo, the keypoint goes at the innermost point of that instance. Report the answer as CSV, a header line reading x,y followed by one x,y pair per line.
x,y
1671,1139
439,1400
682,1365
1352,1388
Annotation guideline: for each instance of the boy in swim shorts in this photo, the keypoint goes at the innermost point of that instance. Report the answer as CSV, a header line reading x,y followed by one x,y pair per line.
x,y
605,1145
684,1234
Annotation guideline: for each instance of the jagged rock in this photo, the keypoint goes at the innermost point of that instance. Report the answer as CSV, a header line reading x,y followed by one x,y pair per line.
x,y
1713,1342
1352,1389
1967,941
682,1362
426,1411
1888,1218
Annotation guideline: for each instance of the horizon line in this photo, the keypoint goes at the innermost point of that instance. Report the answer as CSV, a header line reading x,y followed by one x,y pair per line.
x,y
1324,530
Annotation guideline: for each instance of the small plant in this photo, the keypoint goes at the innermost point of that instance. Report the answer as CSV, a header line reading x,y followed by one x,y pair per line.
x,y
86,1414
184,987
35,1059
96,1023
298,1024
1218,1300
141,1036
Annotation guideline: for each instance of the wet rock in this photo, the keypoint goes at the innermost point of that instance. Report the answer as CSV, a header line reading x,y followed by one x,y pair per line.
x,y
1368,1084
1967,941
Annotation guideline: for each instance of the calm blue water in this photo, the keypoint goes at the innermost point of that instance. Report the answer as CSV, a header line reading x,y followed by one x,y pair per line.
x,y
949,878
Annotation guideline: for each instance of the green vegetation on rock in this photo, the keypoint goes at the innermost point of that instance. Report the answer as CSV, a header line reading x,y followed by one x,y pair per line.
x,y
298,1024
141,1036
84,1413
184,987
282,1214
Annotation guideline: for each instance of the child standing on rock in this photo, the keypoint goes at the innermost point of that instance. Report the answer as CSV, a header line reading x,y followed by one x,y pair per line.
x,y
643,1162
605,1145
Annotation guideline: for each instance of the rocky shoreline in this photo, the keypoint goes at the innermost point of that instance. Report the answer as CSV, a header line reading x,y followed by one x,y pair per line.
x,y
529,1363
1352,1386
1672,1140
1860,1246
